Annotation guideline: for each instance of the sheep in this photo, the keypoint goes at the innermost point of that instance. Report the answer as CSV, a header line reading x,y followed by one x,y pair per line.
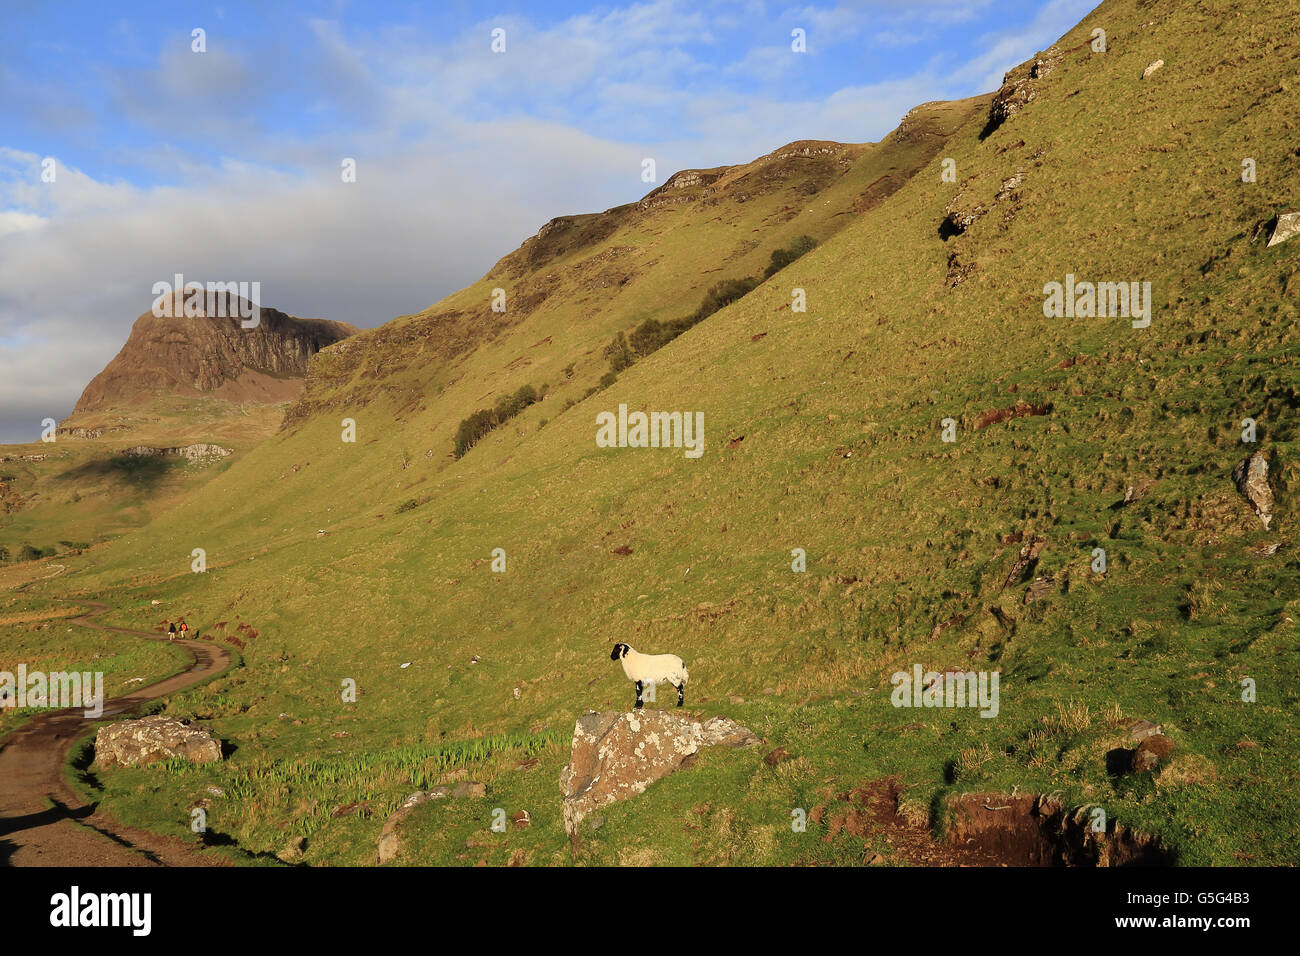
x,y
652,669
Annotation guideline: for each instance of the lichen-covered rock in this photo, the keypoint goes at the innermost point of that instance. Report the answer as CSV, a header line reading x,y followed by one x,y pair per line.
x,y
1251,478
132,743
1288,225
618,755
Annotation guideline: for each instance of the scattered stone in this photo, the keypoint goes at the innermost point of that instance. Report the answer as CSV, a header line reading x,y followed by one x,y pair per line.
x,y
1134,492
132,743
595,823
776,756
216,791
340,733
1246,745
1140,730
1152,68
1251,478
1288,225
1039,588
1151,752
389,843
617,755
1268,550
875,860
293,850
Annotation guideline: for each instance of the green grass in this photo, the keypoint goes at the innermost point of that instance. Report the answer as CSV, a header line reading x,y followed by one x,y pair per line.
x,y
840,411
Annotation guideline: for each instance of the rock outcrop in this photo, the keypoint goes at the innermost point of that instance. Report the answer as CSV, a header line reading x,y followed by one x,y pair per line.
x,y
618,755
1288,225
1019,87
208,355
197,452
131,743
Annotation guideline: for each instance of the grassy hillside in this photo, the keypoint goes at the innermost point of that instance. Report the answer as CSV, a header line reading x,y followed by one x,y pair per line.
x,y
822,432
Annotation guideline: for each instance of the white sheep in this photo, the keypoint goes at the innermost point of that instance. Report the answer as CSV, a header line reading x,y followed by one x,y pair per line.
x,y
652,669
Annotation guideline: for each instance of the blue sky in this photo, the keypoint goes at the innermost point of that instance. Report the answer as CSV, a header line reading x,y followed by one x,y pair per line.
x,y
225,164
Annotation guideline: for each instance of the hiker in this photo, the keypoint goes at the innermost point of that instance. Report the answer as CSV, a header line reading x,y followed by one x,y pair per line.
x,y
185,630
171,630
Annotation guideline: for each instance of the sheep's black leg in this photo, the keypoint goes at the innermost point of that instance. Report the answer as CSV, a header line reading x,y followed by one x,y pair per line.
x,y
638,694
681,694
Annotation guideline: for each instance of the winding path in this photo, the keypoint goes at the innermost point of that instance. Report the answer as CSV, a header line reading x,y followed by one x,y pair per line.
x,y
71,833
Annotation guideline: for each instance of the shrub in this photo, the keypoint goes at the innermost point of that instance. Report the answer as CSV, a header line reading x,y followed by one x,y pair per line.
x,y
620,357
29,553
783,257
722,294
474,428
484,420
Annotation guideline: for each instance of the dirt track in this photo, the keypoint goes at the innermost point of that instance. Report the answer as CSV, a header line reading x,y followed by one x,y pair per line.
x,y
71,833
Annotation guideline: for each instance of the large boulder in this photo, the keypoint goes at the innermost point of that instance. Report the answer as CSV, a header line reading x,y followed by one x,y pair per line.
x,y
618,755
131,743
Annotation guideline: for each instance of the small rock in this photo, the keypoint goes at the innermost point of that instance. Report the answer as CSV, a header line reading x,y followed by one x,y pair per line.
x,y
1268,550
875,860
1152,68
1140,730
469,788
776,756
293,850
216,792
1151,752
521,819
530,764
1251,478
736,699
595,823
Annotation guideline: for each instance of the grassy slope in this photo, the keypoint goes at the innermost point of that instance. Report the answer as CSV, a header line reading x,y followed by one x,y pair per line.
x,y
840,411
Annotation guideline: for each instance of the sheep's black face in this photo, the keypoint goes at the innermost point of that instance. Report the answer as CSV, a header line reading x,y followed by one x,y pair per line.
x,y
619,651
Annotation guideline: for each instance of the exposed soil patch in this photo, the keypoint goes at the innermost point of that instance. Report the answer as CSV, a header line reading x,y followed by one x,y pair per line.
x,y
986,830
1029,830
1018,410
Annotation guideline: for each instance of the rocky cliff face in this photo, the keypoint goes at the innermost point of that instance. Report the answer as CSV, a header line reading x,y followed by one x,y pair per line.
x,y
213,356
